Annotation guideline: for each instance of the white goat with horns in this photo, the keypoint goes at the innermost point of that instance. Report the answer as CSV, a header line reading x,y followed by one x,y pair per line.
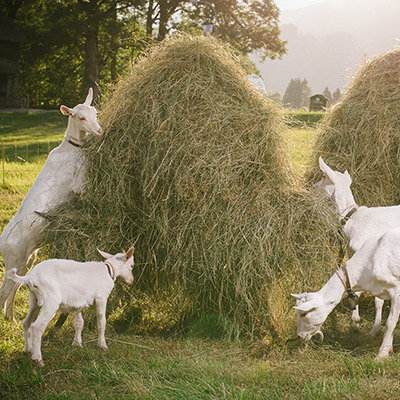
x,y
374,268
63,172
70,286
360,222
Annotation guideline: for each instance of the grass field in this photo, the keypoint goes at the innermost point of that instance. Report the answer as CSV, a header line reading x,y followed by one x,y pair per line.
x,y
176,366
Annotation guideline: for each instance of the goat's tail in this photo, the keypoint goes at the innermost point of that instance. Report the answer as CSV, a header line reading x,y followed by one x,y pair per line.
x,y
12,274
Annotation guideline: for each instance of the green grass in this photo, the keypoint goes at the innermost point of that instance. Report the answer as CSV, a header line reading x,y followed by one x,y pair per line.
x,y
25,141
25,137
183,366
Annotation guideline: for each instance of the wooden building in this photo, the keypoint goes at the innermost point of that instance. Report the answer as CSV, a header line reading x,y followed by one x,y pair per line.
x,y
10,40
318,102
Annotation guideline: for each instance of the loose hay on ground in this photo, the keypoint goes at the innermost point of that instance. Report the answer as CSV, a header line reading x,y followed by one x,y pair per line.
x,y
191,166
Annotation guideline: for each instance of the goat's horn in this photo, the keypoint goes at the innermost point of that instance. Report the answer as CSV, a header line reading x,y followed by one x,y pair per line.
x,y
320,334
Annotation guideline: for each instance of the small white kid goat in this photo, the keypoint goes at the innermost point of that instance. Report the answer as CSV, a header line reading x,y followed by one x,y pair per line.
x,y
374,268
63,173
70,286
360,223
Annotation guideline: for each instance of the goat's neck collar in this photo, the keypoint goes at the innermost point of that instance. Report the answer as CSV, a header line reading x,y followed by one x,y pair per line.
x,y
73,142
111,270
73,135
345,279
347,212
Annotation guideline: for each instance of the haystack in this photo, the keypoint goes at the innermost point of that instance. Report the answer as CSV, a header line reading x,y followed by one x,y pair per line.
x,y
362,132
191,167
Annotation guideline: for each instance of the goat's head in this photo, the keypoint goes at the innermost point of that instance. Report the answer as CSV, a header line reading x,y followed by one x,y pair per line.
x,y
335,185
84,116
312,312
122,264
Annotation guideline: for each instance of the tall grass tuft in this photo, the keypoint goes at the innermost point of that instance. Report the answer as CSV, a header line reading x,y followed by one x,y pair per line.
x,y
191,168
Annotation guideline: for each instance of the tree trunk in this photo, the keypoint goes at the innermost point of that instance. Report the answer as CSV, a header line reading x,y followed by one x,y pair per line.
x,y
92,59
149,19
164,16
92,70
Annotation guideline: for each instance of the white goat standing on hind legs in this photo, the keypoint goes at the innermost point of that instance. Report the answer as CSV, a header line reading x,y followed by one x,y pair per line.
x,y
70,286
359,223
63,173
374,268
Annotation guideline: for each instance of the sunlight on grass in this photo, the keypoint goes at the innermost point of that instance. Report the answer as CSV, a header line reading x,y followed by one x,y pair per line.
x,y
300,144
182,366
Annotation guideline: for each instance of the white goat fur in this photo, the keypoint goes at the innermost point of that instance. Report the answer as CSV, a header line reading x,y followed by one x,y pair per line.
x,y
63,173
70,286
365,223
374,268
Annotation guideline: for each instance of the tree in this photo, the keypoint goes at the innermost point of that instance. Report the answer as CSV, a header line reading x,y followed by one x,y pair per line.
x,y
74,44
297,93
248,25
328,95
336,95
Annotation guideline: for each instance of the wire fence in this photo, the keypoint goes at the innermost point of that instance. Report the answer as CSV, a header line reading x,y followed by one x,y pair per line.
x,y
27,152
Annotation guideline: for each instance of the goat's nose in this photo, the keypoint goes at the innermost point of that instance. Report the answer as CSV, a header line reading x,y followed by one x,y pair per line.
x,y
100,131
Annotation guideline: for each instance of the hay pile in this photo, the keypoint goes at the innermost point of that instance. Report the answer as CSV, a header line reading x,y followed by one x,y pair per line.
x,y
362,132
191,167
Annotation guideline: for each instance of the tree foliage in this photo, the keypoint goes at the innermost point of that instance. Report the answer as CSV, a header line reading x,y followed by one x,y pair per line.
x,y
297,93
74,44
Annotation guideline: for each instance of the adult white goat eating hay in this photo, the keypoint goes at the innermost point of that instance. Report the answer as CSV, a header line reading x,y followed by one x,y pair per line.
x,y
70,286
374,268
63,173
359,223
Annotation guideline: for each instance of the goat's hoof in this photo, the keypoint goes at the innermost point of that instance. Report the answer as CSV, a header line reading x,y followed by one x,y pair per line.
x,y
76,344
355,328
103,346
374,333
39,363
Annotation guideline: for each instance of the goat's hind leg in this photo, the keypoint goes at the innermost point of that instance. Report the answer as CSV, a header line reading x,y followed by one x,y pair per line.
x,y
387,343
38,328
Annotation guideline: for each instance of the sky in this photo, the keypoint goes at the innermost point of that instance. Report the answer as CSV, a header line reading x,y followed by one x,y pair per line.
x,y
293,4
328,40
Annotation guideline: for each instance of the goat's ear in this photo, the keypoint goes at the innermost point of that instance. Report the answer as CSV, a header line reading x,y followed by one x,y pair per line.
x,y
89,97
104,254
129,254
326,169
67,111
348,175
298,296
305,307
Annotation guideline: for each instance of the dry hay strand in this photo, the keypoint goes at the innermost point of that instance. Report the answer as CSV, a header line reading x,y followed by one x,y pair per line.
x,y
191,166
362,132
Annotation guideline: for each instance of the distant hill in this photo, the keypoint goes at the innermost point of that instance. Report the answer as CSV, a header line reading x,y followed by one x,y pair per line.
x,y
328,41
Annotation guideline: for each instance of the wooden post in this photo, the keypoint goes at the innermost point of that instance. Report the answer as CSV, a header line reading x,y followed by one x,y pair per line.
x,y
3,162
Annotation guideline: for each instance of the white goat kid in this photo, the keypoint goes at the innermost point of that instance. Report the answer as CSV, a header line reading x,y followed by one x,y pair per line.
x,y
360,222
63,173
70,286
374,268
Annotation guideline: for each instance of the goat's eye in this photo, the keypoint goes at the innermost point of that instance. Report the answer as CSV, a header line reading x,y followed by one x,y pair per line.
x,y
83,119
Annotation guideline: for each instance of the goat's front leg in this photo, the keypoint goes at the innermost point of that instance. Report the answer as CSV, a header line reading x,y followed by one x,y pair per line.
x,y
387,343
79,322
376,330
355,317
30,318
101,305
